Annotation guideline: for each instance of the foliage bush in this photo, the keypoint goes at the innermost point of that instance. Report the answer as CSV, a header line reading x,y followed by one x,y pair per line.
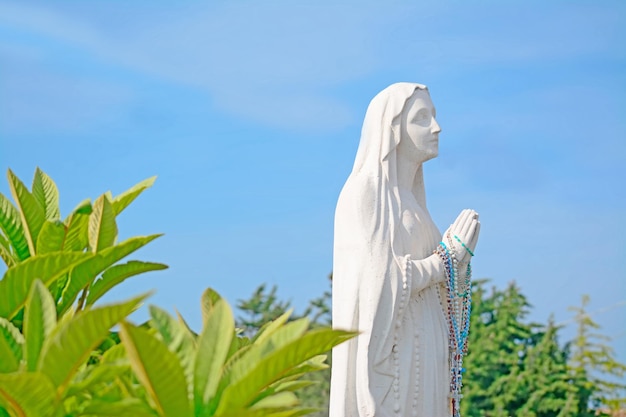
x,y
60,357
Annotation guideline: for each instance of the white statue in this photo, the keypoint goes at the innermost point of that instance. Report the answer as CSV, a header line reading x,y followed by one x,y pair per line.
x,y
387,282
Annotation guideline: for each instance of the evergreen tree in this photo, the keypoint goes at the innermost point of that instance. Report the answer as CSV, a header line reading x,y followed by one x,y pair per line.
x,y
540,385
594,369
499,338
260,308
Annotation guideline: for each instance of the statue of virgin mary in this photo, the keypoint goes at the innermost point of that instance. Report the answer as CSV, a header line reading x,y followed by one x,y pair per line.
x,y
387,281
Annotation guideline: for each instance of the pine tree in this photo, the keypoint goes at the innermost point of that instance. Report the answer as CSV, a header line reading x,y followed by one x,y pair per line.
x,y
540,385
498,341
595,371
260,308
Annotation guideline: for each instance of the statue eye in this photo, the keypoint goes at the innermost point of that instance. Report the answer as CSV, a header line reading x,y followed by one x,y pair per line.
x,y
422,116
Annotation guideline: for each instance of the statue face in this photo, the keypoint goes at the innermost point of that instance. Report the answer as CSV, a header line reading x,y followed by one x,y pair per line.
x,y
420,130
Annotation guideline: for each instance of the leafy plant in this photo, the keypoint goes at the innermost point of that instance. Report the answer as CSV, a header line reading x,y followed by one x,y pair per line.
x,y
78,255
39,367
59,357
218,373
49,341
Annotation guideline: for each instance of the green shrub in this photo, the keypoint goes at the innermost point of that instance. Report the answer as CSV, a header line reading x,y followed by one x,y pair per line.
x,y
60,357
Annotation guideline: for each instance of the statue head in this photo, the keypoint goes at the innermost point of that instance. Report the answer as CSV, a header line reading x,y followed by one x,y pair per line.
x,y
400,115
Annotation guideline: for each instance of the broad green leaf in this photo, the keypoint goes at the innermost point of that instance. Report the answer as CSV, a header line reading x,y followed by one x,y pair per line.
x,y
126,407
46,193
95,375
213,346
178,339
291,386
287,333
31,212
11,342
122,201
73,340
269,328
40,318
208,300
278,337
182,321
11,224
114,354
86,272
5,252
102,226
264,412
77,224
246,380
317,363
27,394
249,355
51,237
158,370
117,274
57,287
16,282
84,207
279,400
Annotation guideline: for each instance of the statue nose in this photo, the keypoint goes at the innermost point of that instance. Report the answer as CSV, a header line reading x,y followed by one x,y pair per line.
x,y
436,127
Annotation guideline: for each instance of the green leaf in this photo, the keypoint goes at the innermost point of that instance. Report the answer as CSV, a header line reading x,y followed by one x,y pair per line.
x,y
246,379
11,224
265,412
114,354
280,400
5,252
271,327
291,386
51,237
86,272
27,394
124,199
117,274
11,342
102,226
77,224
213,347
101,373
178,339
16,282
316,363
73,340
39,320
126,407
46,193
158,370
31,212
208,300
84,207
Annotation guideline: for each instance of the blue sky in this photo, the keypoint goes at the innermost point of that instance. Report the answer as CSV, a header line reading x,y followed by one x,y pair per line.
x,y
250,112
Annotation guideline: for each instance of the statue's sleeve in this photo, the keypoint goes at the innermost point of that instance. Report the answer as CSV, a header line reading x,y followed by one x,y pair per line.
x,y
426,272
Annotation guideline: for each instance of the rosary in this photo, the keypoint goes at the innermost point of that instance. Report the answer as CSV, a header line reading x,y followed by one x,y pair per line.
x,y
459,308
